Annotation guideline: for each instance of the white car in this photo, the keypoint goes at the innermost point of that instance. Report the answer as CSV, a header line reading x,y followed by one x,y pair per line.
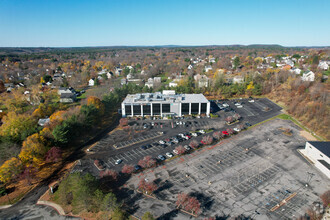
x,y
118,161
239,106
225,105
168,154
237,103
202,131
162,142
187,147
175,151
194,134
237,129
251,100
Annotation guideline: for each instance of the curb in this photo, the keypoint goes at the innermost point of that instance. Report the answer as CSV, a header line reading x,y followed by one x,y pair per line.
x,y
55,206
5,206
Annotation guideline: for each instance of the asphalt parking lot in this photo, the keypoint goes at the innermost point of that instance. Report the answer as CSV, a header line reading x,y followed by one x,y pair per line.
x,y
130,142
248,174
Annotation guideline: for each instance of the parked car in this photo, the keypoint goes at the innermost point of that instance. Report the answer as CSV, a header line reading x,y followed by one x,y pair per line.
x,y
118,161
252,100
143,147
175,151
187,147
194,134
237,129
161,157
202,131
225,132
162,142
239,106
169,155
175,140
137,167
248,124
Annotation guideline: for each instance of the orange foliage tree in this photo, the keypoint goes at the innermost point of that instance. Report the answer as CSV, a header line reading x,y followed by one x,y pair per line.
x,y
10,169
92,100
33,150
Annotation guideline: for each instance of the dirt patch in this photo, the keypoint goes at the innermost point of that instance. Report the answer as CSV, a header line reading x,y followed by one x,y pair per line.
x,y
307,135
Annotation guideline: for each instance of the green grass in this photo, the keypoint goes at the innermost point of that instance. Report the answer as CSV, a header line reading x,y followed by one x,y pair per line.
x,y
290,118
83,96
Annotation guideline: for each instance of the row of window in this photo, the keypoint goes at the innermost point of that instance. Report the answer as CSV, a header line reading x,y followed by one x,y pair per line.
x,y
166,108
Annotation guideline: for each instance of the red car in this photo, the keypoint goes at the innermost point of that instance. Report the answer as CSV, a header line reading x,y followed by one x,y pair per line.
x,y
225,132
202,142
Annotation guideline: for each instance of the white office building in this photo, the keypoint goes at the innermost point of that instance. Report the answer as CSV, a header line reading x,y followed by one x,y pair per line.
x,y
165,104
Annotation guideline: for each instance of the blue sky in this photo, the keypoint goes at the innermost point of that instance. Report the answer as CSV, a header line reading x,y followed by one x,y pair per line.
x,y
71,23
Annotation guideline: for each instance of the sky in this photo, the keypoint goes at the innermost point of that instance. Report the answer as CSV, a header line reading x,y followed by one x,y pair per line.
x,y
78,23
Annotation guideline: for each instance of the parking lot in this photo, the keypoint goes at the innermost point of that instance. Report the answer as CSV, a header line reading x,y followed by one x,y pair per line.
x,y
248,174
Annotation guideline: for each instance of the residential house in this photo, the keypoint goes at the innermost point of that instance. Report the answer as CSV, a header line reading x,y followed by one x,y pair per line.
x,y
296,71
157,79
190,67
129,76
238,79
212,60
309,76
118,71
150,83
65,90
123,81
67,97
323,65
289,62
43,121
208,68
91,82
173,84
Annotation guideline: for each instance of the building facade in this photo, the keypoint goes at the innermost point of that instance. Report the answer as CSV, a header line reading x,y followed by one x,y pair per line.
x,y
164,104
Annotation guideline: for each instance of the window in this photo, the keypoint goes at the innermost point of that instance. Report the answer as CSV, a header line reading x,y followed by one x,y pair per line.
x,y
156,109
321,155
146,109
203,108
194,108
128,110
136,109
166,108
184,108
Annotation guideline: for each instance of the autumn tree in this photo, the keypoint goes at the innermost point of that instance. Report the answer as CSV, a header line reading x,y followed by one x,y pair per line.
x,y
230,131
325,197
53,155
123,122
2,86
188,203
17,127
217,135
147,187
92,100
10,169
147,216
193,144
229,119
147,162
127,169
33,150
109,173
236,116
180,149
207,140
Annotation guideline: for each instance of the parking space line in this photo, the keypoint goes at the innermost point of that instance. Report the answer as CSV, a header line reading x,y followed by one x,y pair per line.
x,y
126,154
140,152
111,162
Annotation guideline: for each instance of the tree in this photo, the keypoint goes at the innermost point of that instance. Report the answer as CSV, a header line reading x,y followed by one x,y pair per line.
x,y
147,216
207,140
236,62
325,197
188,203
147,162
194,144
229,119
128,169
17,127
28,173
236,116
118,214
217,135
180,149
230,131
147,187
2,86
53,155
123,122
109,202
92,100
33,150
111,173
10,169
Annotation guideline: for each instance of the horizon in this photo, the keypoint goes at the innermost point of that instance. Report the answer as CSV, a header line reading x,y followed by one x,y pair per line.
x,y
36,23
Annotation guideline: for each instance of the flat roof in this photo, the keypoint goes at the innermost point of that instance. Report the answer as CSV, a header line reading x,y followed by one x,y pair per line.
x,y
324,163
323,146
158,97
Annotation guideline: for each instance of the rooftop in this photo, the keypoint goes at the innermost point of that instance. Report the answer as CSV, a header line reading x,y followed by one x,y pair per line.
x,y
168,98
323,146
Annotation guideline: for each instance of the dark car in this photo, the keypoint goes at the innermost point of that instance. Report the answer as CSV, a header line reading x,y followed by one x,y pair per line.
x,y
149,146
137,167
143,147
248,124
